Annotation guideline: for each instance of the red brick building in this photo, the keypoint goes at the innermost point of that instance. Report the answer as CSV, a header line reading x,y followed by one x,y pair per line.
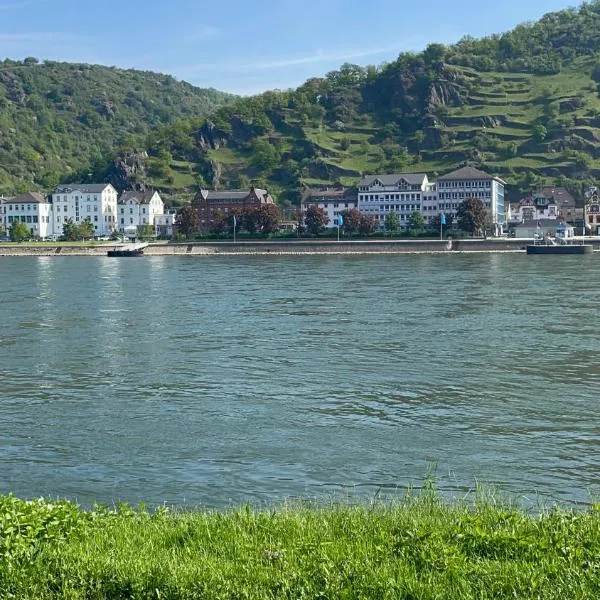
x,y
211,205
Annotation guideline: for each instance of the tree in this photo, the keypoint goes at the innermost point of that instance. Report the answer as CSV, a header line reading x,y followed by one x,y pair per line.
x,y
248,219
471,215
145,232
392,222
70,231
416,222
187,220
268,218
315,219
351,220
86,230
19,232
367,224
540,133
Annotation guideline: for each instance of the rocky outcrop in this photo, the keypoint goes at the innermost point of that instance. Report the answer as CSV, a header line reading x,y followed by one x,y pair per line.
x,y
571,105
491,121
105,108
127,172
433,138
216,173
444,93
210,138
14,89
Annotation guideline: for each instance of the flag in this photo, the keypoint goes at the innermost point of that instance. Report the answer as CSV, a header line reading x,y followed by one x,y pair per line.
x,y
340,220
443,219
234,221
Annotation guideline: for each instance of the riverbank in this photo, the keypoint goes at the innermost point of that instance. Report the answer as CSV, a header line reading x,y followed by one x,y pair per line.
x,y
286,247
420,548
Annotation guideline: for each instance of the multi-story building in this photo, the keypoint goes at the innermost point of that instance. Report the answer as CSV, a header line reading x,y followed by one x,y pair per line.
x,y
31,208
95,201
532,209
332,201
469,182
401,193
211,205
136,209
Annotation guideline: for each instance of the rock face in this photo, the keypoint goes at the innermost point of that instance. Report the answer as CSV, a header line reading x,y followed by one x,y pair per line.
x,y
570,105
491,121
444,93
433,138
127,171
210,138
14,89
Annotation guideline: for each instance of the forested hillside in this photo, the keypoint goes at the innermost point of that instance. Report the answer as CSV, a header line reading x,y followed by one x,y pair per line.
x,y
523,104
61,121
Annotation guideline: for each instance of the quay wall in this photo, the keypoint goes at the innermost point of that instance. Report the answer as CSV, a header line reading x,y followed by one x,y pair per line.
x,y
287,247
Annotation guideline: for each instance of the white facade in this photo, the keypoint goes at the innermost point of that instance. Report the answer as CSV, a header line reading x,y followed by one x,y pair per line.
x,y
467,183
430,209
333,204
96,202
164,224
533,210
136,209
380,195
33,209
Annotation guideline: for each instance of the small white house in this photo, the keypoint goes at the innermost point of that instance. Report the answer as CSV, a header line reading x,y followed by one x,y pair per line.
x,y
164,224
31,208
332,201
136,209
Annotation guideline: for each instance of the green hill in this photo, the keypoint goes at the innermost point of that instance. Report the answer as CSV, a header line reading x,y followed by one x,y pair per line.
x,y
60,121
523,104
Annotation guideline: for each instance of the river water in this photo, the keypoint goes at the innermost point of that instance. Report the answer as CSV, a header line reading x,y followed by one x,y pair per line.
x,y
217,380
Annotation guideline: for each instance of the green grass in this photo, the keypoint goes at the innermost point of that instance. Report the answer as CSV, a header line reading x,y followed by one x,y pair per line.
x,y
419,548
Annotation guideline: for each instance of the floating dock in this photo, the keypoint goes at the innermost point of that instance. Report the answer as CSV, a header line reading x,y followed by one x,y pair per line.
x,y
560,249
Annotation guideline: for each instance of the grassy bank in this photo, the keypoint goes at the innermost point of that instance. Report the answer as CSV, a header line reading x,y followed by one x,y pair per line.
x,y
420,548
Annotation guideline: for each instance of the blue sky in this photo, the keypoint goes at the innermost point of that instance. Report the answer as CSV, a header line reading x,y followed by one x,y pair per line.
x,y
247,46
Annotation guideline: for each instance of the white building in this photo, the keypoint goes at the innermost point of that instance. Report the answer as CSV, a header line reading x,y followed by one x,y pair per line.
x,y
532,209
31,208
164,224
402,193
466,183
136,209
95,201
332,201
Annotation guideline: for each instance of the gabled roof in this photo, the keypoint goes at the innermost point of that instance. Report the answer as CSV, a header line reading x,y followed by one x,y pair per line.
x,y
137,197
390,180
560,195
542,223
467,173
86,188
233,195
29,198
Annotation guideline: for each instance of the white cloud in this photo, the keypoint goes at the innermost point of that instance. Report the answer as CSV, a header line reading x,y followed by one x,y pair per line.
x,y
267,64
203,34
15,5
36,36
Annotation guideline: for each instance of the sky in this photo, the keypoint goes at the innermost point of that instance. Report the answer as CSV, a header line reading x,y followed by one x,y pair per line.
x,y
246,47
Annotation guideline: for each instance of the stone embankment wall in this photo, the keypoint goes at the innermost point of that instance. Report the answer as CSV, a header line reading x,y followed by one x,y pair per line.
x,y
291,247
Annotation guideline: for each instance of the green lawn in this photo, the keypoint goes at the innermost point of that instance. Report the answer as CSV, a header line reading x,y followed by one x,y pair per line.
x,y
419,548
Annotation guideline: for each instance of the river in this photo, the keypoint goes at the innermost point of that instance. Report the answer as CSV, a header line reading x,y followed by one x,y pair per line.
x,y
218,380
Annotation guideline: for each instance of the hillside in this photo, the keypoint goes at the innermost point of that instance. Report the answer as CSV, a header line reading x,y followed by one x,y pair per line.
x,y
523,104
60,121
